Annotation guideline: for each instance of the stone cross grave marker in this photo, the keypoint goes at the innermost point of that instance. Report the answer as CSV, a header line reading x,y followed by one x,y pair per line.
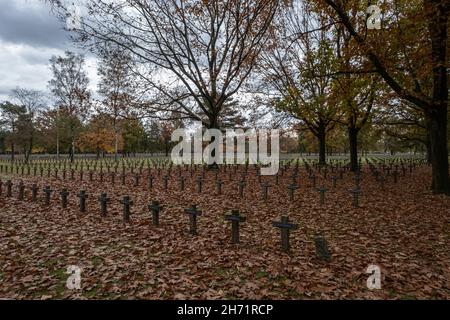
x,y
242,185
150,181
265,190
193,212
155,208
322,191
64,194
34,191
334,178
47,192
165,182
219,184
103,204
136,179
235,219
292,188
285,226
127,202
199,181
21,191
82,196
181,179
313,178
8,185
395,175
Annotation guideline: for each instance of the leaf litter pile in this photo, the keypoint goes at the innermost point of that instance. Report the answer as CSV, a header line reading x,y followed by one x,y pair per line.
x,y
402,228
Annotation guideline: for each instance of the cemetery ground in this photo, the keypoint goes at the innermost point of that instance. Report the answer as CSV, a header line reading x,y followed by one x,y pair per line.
x,y
397,224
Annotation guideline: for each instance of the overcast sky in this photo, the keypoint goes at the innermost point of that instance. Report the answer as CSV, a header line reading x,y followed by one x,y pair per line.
x,y
29,37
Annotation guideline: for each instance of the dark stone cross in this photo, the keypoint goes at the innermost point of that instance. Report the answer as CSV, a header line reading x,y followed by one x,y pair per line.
x,y
395,175
193,212
403,170
285,226
127,202
83,196
21,190
199,184
292,189
166,182
136,180
8,185
356,192
334,178
294,179
322,191
150,181
34,191
381,181
242,185
219,186
155,208
181,180
265,190
312,178
64,193
388,170
103,204
47,192
235,219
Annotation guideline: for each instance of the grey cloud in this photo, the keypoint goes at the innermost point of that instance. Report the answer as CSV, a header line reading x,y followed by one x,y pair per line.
x,y
31,23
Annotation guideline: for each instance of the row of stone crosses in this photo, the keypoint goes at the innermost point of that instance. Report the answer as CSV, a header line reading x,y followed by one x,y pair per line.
x,y
155,208
339,169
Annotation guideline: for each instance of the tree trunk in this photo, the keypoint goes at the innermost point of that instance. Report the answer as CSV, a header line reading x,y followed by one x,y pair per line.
x,y
213,125
166,148
353,143
72,151
439,150
437,112
13,151
29,151
428,143
116,146
322,147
